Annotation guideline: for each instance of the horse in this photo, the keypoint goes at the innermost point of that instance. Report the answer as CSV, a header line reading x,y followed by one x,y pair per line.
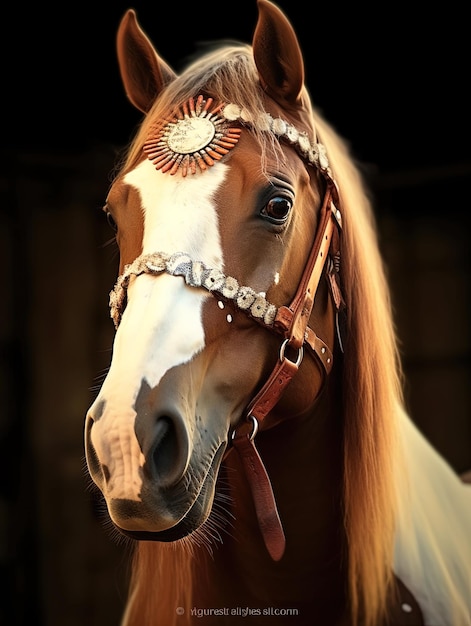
x,y
250,438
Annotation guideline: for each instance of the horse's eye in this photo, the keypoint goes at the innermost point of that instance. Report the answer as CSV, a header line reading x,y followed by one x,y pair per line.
x,y
277,209
111,222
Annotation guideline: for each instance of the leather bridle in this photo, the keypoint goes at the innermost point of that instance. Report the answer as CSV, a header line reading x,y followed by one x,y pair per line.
x,y
291,321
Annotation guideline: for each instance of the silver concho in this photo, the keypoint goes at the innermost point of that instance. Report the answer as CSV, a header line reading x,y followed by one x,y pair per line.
x,y
190,135
194,139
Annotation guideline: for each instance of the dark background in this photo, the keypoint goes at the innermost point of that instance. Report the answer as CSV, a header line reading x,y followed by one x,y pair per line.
x,y
392,80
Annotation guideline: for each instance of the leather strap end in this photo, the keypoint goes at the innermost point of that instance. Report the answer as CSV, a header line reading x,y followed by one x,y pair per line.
x,y
263,497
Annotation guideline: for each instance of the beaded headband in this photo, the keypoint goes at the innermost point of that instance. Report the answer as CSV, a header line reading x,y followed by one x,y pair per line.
x,y
200,134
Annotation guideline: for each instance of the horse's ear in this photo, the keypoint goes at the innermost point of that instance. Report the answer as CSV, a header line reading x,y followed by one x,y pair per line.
x,y
277,54
143,72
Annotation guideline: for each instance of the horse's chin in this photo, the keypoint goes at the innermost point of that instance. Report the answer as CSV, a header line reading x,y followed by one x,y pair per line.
x,y
194,518
184,528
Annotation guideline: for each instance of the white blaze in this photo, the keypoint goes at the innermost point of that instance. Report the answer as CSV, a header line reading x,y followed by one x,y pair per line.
x,y
162,323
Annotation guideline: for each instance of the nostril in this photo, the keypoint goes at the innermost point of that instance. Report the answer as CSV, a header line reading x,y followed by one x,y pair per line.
x,y
168,456
162,429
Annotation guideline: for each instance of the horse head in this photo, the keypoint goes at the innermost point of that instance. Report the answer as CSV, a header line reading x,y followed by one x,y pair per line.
x,y
221,285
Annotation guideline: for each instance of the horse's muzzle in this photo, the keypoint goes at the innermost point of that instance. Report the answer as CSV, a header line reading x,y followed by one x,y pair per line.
x,y
154,480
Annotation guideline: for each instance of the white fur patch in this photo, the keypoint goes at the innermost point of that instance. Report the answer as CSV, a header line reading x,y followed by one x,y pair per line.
x,y
162,326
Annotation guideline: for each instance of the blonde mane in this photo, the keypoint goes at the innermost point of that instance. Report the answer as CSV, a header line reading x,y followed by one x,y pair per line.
x,y
372,391
162,574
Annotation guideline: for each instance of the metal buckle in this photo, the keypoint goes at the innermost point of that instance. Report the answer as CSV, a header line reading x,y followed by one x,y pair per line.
x,y
251,437
299,357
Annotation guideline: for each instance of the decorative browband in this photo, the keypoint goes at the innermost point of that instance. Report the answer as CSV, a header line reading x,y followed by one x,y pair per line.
x,y
314,153
201,133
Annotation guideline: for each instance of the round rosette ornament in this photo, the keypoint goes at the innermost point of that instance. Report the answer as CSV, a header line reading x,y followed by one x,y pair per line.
x,y
194,139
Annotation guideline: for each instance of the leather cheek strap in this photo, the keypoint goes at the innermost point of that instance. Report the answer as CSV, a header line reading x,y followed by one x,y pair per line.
x,y
292,322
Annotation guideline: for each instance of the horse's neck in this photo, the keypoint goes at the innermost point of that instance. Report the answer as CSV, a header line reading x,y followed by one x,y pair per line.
x,y
302,456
